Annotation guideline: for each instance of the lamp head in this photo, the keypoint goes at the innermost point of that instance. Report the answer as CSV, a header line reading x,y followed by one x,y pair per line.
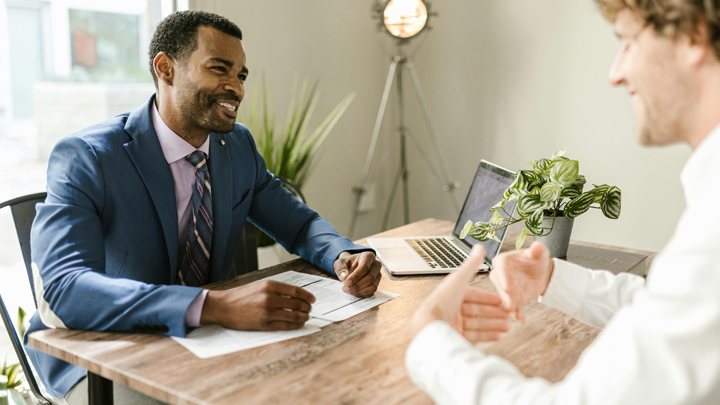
x,y
403,19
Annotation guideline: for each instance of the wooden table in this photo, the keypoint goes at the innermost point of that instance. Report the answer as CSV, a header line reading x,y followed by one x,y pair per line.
x,y
360,360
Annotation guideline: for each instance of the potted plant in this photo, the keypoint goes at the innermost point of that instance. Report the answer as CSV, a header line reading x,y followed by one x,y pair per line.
x,y
11,375
548,198
289,149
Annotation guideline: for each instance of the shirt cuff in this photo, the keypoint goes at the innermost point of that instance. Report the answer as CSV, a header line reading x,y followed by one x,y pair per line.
x,y
567,287
194,311
432,349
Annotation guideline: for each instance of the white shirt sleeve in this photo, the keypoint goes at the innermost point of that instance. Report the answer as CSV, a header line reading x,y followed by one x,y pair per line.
x,y
590,296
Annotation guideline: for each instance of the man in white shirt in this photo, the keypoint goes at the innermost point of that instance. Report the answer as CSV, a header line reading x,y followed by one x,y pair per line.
x,y
660,342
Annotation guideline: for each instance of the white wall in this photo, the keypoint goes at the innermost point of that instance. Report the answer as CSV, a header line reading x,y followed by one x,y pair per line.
x,y
505,80
335,42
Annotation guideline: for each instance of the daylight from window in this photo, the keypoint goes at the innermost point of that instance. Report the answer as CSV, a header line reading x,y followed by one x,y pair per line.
x,y
64,65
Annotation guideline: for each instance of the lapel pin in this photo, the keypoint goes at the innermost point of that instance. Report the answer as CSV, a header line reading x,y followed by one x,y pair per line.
x,y
222,142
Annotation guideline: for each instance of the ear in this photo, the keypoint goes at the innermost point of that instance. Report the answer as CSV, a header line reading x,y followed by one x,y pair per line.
x,y
164,66
698,47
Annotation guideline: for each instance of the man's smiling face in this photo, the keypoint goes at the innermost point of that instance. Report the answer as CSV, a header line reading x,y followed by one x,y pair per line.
x,y
210,83
649,65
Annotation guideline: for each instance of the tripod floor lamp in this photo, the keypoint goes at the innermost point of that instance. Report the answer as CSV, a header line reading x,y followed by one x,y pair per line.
x,y
403,19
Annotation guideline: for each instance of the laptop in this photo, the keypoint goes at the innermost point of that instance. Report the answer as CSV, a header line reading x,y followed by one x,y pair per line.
x,y
444,254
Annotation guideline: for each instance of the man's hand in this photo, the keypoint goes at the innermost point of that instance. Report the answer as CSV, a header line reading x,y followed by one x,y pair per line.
x,y
474,313
266,305
521,276
359,272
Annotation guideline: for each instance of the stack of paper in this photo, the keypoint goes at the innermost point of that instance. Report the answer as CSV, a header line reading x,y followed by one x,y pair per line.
x,y
331,305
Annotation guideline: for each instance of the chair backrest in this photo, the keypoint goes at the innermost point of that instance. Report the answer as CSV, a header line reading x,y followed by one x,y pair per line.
x,y
293,189
246,258
17,345
23,211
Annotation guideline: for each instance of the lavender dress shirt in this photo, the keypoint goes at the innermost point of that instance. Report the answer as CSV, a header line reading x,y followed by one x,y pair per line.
x,y
175,149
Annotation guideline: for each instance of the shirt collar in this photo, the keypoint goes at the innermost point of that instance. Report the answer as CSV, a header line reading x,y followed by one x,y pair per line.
x,y
702,166
173,146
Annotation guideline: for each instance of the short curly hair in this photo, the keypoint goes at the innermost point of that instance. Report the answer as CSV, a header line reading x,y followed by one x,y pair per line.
x,y
176,35
671,18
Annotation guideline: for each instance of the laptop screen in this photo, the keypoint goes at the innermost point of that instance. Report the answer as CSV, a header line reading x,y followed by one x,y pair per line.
x,y
488,186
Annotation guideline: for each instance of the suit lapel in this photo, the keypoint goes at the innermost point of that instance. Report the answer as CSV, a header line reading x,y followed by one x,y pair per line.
x,y
147,156
222,190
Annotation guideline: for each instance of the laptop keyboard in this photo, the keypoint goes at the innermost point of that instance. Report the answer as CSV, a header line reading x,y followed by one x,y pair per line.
x,y
438,252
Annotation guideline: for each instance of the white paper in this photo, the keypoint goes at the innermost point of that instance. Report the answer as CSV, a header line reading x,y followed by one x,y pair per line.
x,y
332,304
213,340
318,323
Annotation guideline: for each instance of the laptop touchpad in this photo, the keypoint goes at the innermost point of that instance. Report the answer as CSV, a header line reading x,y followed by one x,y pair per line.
x,y
397,254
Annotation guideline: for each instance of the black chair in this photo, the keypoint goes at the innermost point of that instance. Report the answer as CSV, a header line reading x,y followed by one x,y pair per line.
x,y
246,258
23,212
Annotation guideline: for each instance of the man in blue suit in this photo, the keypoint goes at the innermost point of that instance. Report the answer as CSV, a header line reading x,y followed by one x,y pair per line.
x,y
145,208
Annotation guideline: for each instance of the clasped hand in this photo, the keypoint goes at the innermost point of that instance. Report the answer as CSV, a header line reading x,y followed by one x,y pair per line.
x,y
519,277
472,312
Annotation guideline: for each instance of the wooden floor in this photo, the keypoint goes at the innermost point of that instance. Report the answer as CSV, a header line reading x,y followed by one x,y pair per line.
x,y
357,361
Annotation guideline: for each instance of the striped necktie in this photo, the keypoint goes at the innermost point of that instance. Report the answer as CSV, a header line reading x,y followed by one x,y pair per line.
x,y
195,267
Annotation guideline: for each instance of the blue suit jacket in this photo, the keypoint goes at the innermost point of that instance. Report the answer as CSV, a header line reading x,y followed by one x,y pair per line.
x,y
105,241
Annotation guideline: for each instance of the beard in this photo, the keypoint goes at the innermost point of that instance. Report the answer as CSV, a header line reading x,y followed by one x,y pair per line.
x,y
200,108
660,123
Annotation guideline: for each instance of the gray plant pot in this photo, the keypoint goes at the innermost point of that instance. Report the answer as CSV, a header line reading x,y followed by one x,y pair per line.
x,y
559,239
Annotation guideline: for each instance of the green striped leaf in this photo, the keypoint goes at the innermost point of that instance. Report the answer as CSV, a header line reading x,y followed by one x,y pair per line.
x,y
610,203
481,231
530,203
496,219
543,165
520,182
574,190
520,241
517,184
482,225
559,153
466,229
550,191
505,197
600,191
538,183
516,194
534,222
565,172
531,176
579,205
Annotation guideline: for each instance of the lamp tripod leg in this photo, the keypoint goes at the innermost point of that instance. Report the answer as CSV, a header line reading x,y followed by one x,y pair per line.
x,y
391,198
450,185
373,142
402,129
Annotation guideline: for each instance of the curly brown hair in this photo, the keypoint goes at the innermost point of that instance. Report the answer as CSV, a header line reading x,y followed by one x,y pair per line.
x,y
672,18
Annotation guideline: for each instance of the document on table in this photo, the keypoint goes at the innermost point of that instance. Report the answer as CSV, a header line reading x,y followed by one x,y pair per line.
x,y
214,340
331,305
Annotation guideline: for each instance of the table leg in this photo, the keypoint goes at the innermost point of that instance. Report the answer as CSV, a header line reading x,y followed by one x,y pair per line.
x,y
100,390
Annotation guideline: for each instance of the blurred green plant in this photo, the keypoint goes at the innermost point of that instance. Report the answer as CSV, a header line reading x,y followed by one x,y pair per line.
x,y
13,371
289,148
552,188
